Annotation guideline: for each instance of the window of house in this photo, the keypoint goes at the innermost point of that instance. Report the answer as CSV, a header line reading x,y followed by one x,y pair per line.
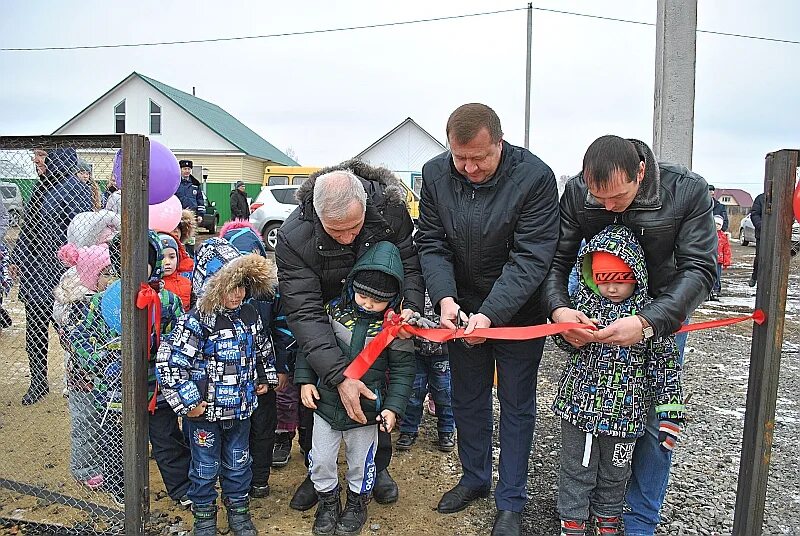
x,y
155,118
119,118
726,199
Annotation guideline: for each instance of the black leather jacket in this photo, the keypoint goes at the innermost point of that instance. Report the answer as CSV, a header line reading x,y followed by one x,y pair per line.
x,y
672,218
312,266
489,246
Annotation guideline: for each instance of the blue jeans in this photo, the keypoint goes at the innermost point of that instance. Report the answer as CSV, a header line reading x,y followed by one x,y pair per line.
x,y
718,283
650,474
433,372
219,448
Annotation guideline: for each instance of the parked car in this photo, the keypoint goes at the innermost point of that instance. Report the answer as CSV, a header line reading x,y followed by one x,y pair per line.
x,y
747,232
210,218
12,199
272,206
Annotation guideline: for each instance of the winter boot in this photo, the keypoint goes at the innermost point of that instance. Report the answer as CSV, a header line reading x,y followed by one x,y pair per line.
x,y
608,526
282,451
328,511
305,497
354,514
239,520
405,441
205,519
573,528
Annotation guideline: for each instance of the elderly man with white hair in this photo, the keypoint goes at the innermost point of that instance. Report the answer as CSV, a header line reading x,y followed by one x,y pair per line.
x,y
344,210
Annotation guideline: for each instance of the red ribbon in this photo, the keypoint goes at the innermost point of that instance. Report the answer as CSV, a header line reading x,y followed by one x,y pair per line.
x,y
148,298
391,327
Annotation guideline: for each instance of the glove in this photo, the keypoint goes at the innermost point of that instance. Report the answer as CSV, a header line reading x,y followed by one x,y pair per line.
x,y
668,432
419,320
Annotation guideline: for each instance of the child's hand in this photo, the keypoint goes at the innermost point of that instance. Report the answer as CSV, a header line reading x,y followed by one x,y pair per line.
x,y
262,389
387,419
198,410
308,394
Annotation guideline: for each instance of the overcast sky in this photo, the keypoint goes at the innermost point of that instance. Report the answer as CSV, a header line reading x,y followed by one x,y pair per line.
x,y
328,96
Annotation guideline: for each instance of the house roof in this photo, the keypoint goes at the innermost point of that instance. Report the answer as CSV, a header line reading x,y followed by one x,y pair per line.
x,y
742,198
395,129
212,116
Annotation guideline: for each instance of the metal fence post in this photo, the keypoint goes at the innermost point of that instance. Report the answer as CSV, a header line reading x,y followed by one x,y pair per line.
x,y
765,353
135,166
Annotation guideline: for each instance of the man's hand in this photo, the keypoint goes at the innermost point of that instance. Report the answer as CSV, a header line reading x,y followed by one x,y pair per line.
x,y
479,320
448,309
262,389
387,420
405,315
308,395
351,391
623,332
283,381
576,337
198,410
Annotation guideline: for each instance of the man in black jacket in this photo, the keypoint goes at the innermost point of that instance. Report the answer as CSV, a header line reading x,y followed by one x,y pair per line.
x,y
669,209
487,233
344,210
240,210
755,218
719,209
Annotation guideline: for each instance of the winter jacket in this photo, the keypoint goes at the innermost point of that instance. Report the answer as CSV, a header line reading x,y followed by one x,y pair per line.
x,y
312,266
240,210
755,214
70,308
57,197
670,216
97,346
721,210
191,195
178,284
354,329
723,249
220,355
489,245
606,389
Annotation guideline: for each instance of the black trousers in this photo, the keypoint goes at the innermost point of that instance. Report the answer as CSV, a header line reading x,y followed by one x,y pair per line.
x,y
383,454
262,437
38,316
170,451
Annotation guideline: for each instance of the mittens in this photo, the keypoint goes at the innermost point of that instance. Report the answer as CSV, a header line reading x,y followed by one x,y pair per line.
x,y
668,432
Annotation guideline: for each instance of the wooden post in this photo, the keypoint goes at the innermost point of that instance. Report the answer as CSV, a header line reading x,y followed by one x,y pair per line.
x,y
135,165
765,352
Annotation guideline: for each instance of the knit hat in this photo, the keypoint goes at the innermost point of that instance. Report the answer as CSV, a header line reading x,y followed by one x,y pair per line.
x,y
239,183
718,220
88,262
608,268
375,284
83,165
168,241
243,236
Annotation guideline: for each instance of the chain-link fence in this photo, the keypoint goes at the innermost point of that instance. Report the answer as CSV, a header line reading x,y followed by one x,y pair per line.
x,y
61,383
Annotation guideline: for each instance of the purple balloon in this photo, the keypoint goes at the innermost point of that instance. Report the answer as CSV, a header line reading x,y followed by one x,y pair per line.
x,y
165,175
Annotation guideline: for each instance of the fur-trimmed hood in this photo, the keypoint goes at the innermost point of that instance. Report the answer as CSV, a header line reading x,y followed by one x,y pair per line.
x,y
252,271
187,226
393,192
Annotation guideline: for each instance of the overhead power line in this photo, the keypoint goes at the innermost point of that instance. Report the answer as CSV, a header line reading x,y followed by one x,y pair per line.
x,y
381,25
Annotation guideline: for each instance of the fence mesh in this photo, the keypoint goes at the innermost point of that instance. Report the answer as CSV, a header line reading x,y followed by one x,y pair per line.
x,y
60,380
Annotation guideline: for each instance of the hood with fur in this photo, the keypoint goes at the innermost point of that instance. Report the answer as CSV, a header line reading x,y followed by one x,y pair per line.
x,y
187,226
393,191
252,271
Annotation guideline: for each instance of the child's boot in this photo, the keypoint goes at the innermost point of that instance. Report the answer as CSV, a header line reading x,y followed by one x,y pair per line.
x,y
571,527
354,514
608,526
329,508
205,519
239,520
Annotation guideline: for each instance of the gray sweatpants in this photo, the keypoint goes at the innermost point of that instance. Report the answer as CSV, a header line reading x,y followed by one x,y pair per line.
x,y
359,449
601,484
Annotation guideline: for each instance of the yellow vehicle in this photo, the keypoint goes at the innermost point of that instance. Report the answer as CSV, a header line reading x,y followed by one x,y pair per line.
x,y
280,175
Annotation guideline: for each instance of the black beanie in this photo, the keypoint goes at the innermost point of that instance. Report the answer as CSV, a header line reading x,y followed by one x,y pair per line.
x,y
375,284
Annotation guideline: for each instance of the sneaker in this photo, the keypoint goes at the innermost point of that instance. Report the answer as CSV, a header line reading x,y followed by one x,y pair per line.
x,y
573,528
185,501
713,296
259,492
282,451
447,441
94,482
405,441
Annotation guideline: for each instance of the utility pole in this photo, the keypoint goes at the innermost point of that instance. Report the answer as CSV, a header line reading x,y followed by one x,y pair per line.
x,y
673,110
528,78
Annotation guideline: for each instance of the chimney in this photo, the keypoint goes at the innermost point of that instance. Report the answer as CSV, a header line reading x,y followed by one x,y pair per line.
x,y
193,95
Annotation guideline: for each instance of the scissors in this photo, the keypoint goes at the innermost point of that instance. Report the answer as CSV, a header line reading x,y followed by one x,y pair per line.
x,y
382,423
461,322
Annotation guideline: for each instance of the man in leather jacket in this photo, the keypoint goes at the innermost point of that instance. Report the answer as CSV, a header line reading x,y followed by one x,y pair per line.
x,y
669,210
344,210
487,233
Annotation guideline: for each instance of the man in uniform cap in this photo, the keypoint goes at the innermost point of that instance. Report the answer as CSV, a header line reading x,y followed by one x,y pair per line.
x,y
190,195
